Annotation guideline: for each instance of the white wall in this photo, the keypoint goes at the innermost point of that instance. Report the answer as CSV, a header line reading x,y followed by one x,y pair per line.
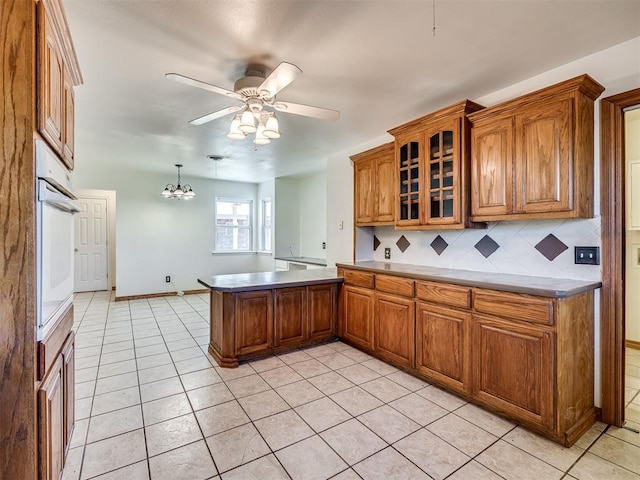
x,y
266,190
632,287
312,200
157,237
287,217
616,68
340,234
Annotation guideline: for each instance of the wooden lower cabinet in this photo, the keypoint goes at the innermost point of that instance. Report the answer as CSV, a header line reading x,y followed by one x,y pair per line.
x,y
290,316
321,310
245,325
254,321
442,345
394,329
357,316
527,357
51,423
69,376
514,369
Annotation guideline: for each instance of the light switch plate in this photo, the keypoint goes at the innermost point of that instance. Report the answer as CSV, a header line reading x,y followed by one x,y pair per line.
x,y
587,255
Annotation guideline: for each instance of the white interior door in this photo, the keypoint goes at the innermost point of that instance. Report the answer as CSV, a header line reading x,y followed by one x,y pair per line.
x,y
91,257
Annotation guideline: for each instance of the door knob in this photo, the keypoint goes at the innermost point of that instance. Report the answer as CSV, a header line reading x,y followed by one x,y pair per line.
x,y
75,249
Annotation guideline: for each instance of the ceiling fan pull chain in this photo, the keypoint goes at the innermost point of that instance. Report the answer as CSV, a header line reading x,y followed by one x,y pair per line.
x,y
434,18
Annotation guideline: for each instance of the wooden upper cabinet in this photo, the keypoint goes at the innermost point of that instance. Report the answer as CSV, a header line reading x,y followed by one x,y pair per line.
x,y
491,168
68,103
532,157
543,157
432,170
363,191
384,183
57,74
50,81
373,186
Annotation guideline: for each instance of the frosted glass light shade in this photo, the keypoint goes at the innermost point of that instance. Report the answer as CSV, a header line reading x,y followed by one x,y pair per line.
x,y
234,130
247,122
271,128
261,139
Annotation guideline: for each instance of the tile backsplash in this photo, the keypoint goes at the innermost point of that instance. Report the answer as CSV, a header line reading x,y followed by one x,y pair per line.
x,y
535,247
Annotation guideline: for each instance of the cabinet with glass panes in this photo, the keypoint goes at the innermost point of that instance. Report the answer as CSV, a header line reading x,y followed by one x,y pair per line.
x,y
432,163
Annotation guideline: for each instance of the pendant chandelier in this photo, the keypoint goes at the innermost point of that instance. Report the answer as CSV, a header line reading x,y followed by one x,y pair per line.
x,y
245,123
180,192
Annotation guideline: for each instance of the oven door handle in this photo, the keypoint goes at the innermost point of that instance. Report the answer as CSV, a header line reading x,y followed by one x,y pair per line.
x,y
49,195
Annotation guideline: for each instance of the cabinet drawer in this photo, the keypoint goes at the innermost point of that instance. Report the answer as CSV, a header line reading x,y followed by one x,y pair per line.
x,y
514,307
451,295
398,285
361,279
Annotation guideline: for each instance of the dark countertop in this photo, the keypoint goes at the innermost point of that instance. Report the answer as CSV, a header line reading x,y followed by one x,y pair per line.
x,y
309,260
542,286
245,282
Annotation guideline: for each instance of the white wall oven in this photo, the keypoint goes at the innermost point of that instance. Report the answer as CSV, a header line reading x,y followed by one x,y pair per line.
x,y
55,242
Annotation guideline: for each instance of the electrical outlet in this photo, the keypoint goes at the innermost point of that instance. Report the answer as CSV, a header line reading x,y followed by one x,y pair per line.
x,y
587,255
324,245
167,279
387,253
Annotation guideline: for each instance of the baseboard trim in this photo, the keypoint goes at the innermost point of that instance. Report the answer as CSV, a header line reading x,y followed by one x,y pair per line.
x,y
632,344
156,295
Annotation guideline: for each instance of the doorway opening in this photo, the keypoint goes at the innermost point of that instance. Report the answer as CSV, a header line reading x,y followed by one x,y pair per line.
x,y
613,211
95,241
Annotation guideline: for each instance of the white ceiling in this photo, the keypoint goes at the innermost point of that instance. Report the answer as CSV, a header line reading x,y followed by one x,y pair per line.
x,y
376,61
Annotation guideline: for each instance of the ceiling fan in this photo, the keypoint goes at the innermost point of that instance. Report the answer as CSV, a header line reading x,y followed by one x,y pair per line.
x,y
257,92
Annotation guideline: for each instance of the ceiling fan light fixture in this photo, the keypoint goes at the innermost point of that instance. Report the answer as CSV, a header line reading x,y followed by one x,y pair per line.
x,y
271,127
261,138
247,122
234,129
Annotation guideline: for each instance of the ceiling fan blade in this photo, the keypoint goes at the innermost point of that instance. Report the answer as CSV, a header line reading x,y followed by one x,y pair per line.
x,y
212,116
283,75
206,86
307,110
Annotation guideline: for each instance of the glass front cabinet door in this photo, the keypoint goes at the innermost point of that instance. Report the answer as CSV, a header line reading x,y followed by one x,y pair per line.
x,y
409,160
444,175
432,170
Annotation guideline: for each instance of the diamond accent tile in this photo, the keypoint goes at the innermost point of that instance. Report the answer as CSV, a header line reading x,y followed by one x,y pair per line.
x,y
550,246
486,246
376,243
403,243
439,245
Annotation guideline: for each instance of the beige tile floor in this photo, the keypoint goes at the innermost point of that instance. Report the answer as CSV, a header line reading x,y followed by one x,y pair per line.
x,y
151,404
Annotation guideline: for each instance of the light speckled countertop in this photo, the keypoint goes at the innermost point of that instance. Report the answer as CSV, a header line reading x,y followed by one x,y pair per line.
x,y
245,282
542,286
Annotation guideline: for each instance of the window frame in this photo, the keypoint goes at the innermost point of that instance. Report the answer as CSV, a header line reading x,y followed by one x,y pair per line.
x,y
250,227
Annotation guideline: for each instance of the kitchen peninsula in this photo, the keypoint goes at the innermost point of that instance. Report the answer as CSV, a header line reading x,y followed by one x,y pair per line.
x,y
255,314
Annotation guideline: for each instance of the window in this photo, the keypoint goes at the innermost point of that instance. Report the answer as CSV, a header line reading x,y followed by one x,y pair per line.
x,y
234,227
265,240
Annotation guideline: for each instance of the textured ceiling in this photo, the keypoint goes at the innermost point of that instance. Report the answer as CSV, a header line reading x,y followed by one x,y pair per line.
x,y
377,62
